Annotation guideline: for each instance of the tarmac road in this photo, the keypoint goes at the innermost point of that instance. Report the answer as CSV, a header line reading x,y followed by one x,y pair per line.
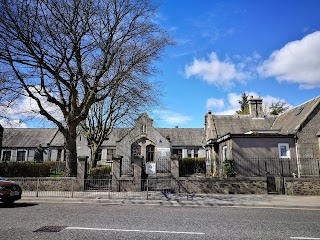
x,y
92,220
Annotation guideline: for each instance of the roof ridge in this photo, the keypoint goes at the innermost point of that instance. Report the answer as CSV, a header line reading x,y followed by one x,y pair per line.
x,y
317,102
305,109
312,99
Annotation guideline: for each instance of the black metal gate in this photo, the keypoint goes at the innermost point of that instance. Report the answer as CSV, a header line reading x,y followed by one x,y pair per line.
x,y
156,175
271,184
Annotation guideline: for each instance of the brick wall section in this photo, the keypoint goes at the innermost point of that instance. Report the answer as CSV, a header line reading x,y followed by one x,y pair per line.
x,y
215,185
302,186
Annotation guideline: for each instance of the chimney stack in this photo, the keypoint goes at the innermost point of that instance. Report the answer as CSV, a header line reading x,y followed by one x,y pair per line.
x,y
255,107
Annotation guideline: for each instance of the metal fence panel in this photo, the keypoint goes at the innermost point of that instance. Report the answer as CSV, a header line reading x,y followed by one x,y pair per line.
x,y
126,167
93,188
192,167
275,166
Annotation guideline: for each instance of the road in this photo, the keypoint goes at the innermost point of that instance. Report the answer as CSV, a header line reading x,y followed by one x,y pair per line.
x,y
101,221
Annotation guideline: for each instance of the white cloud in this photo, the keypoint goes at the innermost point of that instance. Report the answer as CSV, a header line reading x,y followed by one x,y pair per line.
x,y
25,109
297,62
214,103
270,99
13,123
232,103
214,71
172,117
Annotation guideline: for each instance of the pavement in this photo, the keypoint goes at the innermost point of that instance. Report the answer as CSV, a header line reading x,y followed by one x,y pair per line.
x,y
189,200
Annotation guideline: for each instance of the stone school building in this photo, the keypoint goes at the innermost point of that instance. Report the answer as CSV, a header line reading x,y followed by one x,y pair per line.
x,y
143,140
256,143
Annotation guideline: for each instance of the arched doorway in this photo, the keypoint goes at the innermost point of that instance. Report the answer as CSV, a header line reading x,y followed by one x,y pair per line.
x,y
144,149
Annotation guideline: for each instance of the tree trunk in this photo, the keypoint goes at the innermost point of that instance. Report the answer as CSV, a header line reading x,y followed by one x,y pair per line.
x,y
94,155
71,151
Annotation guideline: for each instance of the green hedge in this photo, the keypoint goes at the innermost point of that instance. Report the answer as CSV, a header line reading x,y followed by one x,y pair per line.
x,y
31,169
100,172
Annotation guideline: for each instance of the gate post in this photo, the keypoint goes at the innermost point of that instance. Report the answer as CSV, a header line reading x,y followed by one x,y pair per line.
x,y
116,173
81,172
175,174
137,171
209,172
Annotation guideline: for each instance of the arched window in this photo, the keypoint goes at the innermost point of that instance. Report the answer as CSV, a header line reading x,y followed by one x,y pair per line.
x,y
136,149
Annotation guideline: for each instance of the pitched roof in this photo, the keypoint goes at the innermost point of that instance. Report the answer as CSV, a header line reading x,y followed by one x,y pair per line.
x,y
177,136
27,137
183,136
57,140
290,121
238,124
115,135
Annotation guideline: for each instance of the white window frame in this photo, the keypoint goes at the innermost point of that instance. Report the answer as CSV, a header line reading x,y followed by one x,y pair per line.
x,y
3,155
286,145
189,153
196,153
224,153
25,154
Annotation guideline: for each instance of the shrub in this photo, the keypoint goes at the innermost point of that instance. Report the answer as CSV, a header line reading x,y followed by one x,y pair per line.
x,y
228,168
100,172
31,169
24,169
57,169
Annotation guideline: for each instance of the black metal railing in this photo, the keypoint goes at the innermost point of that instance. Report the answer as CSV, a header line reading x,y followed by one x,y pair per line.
x,y
192,167
291,167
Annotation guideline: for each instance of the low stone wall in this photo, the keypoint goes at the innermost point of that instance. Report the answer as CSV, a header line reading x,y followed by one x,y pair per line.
x,y
302,186
126,185
215,185
48,184
254,185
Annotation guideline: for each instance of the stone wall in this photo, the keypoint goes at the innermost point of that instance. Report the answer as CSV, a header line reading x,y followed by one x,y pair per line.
x,y
216,185
127,184
257,185
48,184
302,186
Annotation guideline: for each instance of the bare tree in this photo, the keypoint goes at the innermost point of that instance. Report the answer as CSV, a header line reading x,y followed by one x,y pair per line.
x,y
6,100
72,53
123,105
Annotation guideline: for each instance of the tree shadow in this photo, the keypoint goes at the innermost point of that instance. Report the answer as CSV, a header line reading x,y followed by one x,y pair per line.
x,y
17,205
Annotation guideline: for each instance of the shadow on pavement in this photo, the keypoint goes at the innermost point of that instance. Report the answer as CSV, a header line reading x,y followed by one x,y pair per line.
x,y
17,205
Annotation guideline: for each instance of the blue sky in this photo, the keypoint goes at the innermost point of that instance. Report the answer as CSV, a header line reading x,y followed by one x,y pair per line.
x,y
223,48
268,48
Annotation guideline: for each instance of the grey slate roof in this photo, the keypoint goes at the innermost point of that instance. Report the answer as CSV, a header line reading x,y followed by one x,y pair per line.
x,y
183,136
27,137
290,121
177,136
58,139
239,124
286,123
115,135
